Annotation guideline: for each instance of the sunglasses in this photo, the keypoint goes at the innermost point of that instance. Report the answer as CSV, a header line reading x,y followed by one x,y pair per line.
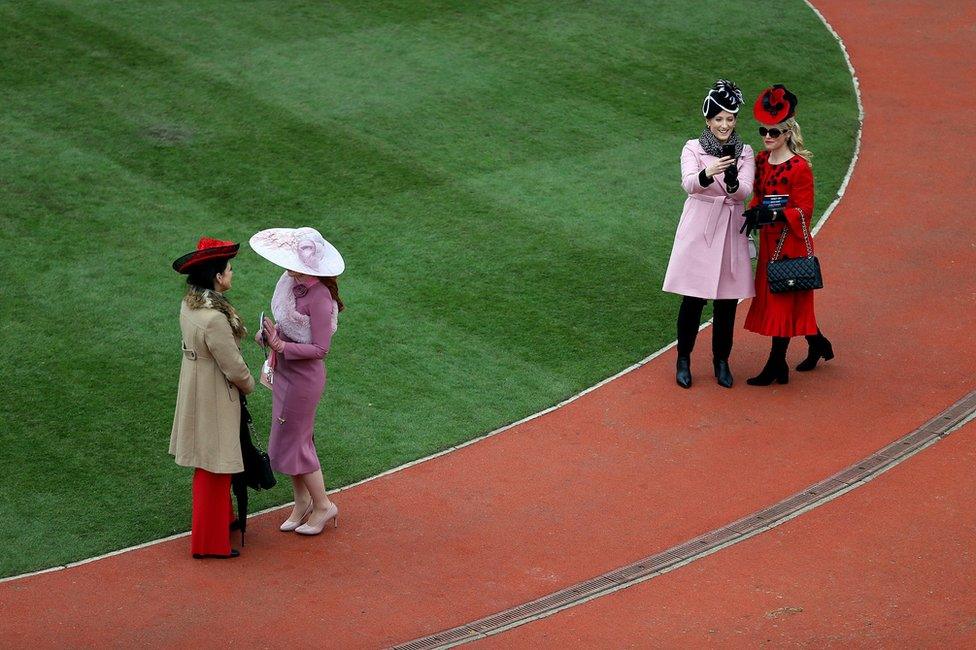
x,y
773,133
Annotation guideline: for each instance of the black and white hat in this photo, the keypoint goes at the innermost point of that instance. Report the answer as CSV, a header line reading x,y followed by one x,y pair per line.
x,y
724,96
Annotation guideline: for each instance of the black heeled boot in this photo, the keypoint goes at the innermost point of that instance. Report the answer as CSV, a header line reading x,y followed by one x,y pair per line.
x,y
722,372
820,348
683,374
689,318
723,316
776,368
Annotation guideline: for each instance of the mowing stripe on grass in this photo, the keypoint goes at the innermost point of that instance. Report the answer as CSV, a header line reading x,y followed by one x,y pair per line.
x,y
502,175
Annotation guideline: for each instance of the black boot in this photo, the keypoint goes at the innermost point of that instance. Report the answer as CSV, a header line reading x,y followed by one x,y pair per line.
x,y
776,371
722,373
820,348
689,318
723,317
683,374
776,368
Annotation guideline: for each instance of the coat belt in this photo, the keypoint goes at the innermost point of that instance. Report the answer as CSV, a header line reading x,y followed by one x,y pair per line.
x,y
193,355
715,210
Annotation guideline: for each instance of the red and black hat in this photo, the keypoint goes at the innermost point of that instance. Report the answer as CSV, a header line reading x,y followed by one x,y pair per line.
x,y
207,249
774,105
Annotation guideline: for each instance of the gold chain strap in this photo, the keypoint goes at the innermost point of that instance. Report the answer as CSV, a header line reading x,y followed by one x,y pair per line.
x,y
782,237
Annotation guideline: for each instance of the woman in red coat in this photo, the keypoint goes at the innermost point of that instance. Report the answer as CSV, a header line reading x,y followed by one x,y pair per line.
x,y
783,168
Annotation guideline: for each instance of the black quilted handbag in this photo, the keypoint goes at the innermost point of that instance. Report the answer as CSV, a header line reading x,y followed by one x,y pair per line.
x,y
794,273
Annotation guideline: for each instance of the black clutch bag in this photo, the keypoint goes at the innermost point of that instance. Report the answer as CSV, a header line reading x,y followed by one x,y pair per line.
x,y
794,273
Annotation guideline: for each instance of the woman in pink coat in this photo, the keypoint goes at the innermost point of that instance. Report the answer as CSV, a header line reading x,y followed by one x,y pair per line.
x,y
710,258
306,306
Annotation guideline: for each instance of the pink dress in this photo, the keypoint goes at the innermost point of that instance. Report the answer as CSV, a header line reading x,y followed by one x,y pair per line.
x,y
299,381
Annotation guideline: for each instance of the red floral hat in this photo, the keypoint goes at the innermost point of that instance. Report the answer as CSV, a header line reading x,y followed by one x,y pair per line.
x,y
207,249
774,105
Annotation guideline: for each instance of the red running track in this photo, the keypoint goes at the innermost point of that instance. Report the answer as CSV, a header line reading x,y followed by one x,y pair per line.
x,y
637,465
889,565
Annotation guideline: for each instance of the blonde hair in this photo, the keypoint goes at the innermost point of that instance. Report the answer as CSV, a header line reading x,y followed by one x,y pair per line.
x,y
794,139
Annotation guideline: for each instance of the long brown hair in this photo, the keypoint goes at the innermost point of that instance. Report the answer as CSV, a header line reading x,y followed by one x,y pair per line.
x,y
333,284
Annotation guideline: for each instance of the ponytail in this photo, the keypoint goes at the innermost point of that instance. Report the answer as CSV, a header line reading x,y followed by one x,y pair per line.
x,y
333,285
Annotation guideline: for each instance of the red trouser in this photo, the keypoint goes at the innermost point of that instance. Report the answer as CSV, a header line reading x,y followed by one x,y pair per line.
x,y
212,513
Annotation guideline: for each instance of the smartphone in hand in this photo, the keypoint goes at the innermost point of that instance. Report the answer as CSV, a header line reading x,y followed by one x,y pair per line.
x,y
728,151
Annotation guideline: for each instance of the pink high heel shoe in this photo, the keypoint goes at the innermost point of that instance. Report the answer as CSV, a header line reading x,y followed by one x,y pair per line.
x,y
332,513
290,525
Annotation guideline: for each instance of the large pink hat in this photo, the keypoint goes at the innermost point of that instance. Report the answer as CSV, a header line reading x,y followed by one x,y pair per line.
x,y
303,250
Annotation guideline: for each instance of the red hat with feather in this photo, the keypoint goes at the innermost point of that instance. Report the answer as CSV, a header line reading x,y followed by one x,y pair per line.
x,y
208,249
774,105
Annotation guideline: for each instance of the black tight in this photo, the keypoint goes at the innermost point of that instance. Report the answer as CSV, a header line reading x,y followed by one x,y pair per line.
x,y
689,319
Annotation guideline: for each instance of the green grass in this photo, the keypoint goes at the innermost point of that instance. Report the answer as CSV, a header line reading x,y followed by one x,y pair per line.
x,y
501,177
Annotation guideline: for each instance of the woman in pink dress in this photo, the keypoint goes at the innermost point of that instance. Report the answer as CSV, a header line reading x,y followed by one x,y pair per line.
x,y
306,306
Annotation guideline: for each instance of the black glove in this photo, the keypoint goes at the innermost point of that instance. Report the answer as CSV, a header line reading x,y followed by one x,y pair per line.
x,y
731,175
704,180
756,218
731,179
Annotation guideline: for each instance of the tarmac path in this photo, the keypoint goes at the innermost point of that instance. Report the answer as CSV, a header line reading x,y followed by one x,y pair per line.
x,y
639,465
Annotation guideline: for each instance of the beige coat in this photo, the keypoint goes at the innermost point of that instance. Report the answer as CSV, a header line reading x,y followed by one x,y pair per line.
x,y
206,427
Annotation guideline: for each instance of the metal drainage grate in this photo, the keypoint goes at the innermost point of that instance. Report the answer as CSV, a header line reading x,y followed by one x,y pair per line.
x,y
702,545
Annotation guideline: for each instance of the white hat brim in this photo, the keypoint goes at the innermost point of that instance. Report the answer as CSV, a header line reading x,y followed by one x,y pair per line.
x,y
280,247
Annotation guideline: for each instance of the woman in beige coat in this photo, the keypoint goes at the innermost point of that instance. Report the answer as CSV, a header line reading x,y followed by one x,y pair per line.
x,y
213,375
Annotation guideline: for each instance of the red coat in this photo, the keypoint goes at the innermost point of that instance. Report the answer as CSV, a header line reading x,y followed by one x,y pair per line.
x,y
790,313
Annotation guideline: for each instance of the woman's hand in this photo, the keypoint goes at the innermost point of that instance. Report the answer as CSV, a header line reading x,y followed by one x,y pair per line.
x,y
719,166
271,336
731,175
757,217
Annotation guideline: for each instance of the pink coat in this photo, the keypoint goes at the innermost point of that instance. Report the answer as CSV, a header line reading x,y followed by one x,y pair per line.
x,y
710,258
